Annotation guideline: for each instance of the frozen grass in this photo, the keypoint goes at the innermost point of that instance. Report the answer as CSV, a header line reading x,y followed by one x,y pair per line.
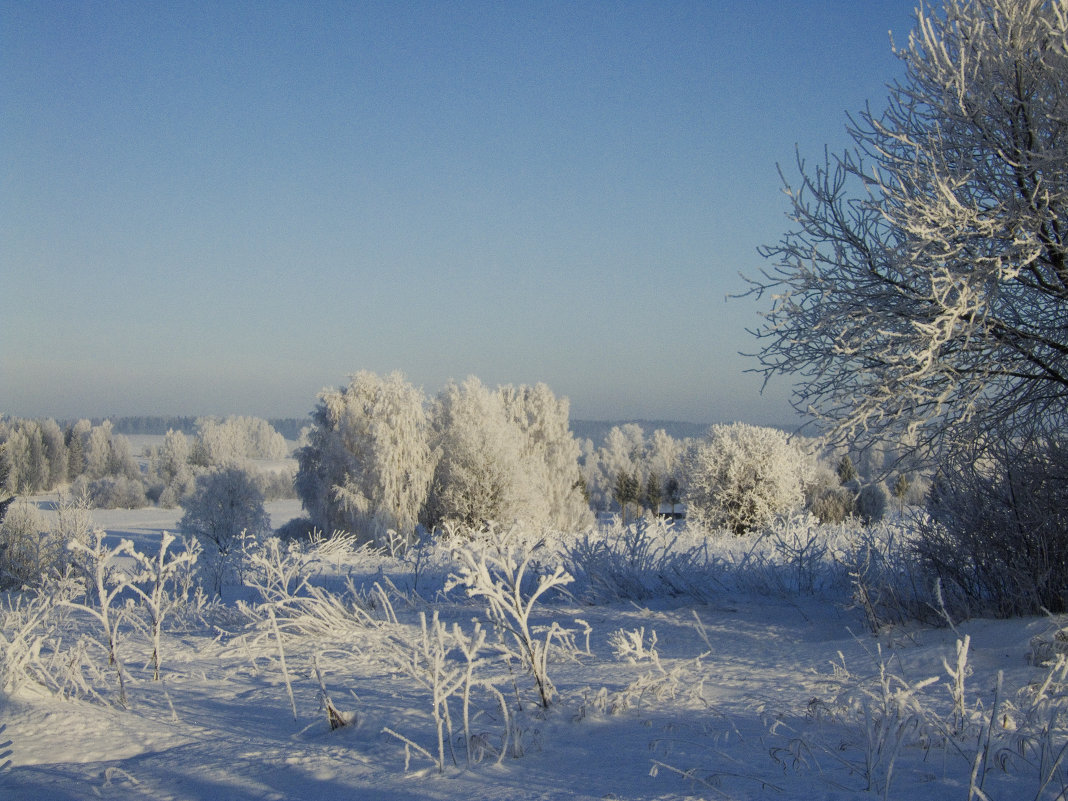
x,y
677,664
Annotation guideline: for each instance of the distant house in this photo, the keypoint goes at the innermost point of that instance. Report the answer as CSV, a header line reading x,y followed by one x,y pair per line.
x,y
667,513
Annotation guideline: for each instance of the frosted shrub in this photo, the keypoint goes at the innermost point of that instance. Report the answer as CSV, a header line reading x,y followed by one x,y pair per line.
x,y
875,721
631,645
647,559
427,662
288,601
27,549
501,569
277,484
888,583
235,439
997,532
433,660
115,492
871,503
831,504
800,543
886,714
656,683
298,529
25,625
162,584
743,476
107,582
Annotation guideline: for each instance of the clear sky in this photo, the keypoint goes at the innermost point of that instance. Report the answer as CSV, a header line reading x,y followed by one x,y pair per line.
x,y
221,208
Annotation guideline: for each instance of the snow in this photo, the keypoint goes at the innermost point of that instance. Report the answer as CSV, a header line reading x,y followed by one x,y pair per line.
x,y
738,708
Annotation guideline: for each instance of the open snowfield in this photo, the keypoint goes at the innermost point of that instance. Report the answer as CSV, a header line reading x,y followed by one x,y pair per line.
x,y
733,691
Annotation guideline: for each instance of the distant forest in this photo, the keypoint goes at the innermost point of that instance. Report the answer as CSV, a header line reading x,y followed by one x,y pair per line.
x,y
290,427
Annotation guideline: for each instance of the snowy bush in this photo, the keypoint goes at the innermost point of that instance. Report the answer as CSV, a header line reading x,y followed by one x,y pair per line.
x,y
743,476
879,718
170,472
433,662
162,584
277,484
501,568
27,548
113,492
872,501
225,507
298,529
825,497
997,533
648,559
832,504
107,582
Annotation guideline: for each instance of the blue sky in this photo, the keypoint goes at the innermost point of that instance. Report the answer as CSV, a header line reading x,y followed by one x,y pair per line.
x,y
222,208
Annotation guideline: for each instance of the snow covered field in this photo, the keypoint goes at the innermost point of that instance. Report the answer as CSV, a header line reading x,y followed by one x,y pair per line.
x,y
767,686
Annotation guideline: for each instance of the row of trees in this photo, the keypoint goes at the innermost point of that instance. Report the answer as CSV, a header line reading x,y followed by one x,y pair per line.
x,y
39,456
381,458
628,464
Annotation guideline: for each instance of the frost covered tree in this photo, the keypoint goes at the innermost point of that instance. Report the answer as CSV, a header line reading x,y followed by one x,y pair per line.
x,y
173,469
55,450
479,476
743,476
504,455
921,295
97,451
627,490
550,451
225,507
367,463
623,451
35,455
76,437
235,439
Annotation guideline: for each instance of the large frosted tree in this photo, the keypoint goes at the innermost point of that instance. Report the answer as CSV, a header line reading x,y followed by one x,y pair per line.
x,y
743,476
550,450
480,474
922,295
368,461
504,455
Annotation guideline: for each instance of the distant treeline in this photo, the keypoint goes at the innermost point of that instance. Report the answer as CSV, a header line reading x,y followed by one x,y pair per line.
x,y
288,427
597,430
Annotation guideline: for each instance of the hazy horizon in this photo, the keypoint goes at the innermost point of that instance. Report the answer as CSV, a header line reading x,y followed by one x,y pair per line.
x,y
223,209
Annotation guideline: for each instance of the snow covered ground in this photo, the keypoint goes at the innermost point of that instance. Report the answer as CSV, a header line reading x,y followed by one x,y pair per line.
x,y
720,694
